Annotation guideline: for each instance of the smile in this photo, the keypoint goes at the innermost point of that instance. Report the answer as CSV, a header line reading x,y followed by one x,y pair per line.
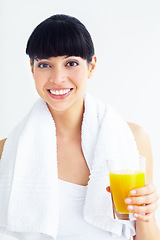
x,y
60,92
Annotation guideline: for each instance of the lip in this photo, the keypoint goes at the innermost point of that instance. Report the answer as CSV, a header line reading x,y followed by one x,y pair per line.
x,y
59,97
58,89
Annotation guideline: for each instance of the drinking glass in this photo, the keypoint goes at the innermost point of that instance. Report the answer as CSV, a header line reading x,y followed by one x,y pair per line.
x,y
125,174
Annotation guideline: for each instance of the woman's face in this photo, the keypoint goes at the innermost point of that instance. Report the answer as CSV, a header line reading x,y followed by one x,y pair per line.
x,y
61,81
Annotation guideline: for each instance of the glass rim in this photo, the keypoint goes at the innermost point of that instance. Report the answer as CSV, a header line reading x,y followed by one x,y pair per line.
x,y
117,159
128,163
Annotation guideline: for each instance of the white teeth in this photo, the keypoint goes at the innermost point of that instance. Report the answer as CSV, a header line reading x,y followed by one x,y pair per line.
x,y
61,92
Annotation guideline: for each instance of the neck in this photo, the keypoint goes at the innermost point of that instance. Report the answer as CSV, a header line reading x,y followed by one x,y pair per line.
x,y
68,123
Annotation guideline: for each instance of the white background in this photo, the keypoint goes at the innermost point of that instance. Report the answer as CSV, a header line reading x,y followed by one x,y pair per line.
x,y
126,35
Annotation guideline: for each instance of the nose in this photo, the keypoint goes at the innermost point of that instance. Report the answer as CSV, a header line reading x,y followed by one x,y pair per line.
x,y
57,76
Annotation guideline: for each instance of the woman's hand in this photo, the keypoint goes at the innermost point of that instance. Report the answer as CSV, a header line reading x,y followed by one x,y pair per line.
x,y
143,202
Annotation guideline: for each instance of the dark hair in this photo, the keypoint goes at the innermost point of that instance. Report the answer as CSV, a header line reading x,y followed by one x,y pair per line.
x,y
60,35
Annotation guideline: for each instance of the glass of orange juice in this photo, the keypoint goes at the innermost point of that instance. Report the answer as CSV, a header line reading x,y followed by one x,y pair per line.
x,y
125,174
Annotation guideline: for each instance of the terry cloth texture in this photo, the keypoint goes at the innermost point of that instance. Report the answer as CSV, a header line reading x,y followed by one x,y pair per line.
x,y
29,179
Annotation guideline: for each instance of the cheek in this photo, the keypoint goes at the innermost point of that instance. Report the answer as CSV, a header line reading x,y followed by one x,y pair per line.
x,y
39,79
39,83
80,77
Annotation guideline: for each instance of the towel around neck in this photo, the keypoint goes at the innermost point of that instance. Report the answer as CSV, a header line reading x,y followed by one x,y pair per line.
x,y
28,172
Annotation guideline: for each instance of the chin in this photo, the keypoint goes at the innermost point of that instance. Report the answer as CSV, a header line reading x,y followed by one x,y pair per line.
x,y
60,108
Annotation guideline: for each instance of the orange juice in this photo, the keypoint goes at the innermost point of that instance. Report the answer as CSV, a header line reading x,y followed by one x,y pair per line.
x,y
122,182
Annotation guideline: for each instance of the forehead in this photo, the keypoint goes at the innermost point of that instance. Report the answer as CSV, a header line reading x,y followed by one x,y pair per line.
x,y
62,58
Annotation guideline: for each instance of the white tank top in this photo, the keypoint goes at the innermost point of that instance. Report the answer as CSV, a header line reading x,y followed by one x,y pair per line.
x,y
72,225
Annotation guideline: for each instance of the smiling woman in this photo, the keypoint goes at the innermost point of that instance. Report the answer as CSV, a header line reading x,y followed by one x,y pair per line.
x,y
61,81
64,64
53,175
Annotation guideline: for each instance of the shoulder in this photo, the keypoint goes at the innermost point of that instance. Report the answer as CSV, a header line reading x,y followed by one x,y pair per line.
x,y
144,147
2,142
141,136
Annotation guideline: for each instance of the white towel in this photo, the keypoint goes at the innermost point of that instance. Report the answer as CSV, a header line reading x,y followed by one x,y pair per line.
x,y
28,172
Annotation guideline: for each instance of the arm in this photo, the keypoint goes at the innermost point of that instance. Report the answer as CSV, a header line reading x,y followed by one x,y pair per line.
x,y
146,226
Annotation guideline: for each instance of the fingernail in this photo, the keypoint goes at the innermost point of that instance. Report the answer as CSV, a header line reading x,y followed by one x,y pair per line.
x,y
133,192
130,208
128,200
135,215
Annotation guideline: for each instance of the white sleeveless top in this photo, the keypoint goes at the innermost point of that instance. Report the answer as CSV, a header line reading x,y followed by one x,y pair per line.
x,y
72,225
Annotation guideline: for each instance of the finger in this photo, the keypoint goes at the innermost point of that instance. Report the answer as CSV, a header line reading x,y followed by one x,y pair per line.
x,y
144,218
148,189
146,199
149,208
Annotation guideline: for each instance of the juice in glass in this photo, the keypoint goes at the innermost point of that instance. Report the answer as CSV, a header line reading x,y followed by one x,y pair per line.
x,y
121,183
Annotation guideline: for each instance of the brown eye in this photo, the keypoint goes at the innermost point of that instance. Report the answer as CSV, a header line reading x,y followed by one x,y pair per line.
x,y
72,64
43,65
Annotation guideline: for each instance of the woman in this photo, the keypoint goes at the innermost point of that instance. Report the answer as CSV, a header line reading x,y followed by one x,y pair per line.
x,y
62,59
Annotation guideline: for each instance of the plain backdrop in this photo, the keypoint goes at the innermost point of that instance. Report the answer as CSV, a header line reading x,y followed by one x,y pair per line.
x,y
126,36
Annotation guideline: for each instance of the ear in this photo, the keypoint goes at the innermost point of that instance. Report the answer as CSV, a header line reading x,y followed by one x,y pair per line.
x,y
31,65
92,66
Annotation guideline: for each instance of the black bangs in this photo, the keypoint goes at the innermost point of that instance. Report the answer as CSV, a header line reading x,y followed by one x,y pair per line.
x,y
59,38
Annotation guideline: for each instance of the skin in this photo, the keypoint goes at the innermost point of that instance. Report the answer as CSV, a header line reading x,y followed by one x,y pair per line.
x,y
62,72
73,72
146,226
